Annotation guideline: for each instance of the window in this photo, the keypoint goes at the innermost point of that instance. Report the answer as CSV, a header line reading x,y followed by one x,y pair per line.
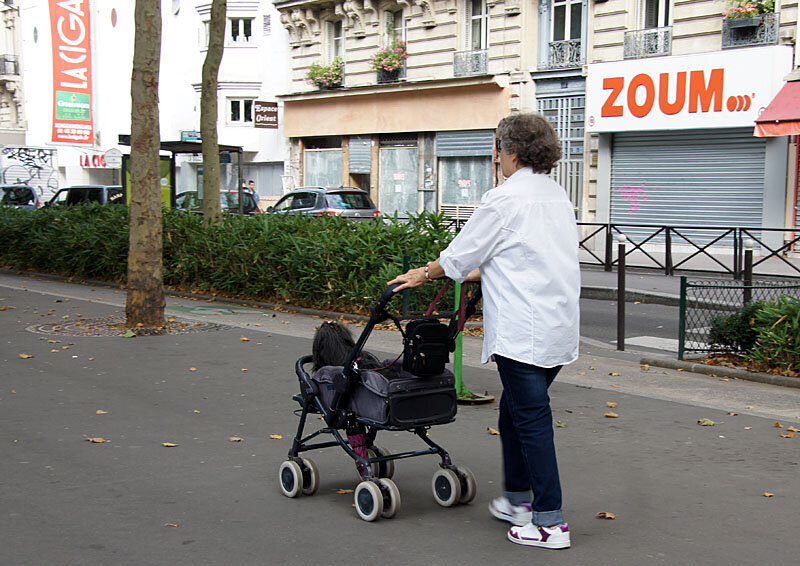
x,y
335,40
477,25
241,30
395,26
656,13
566,21
205,32
241,111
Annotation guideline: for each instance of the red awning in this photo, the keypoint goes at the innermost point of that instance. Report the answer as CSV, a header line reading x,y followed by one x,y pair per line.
x,y
782,116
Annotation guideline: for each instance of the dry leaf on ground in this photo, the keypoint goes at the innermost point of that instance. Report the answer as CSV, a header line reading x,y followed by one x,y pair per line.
x,y
192,369
705,422
560,424
606,515
100,412
244,369
615,386
96,440
244,339
793,429
787,435
344,491
611,404
171,524
168,444
236,439
611,415
778,425
613,373
768,494
276,436
493,431
26,356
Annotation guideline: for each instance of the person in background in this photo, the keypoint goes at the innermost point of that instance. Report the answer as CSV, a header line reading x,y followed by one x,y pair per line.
x,y
522,244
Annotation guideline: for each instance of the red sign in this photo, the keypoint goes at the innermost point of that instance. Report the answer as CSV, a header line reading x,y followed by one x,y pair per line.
x,y
266,114
70,26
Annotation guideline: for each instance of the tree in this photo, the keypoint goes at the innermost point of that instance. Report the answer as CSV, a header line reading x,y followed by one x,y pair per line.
x,y
208,111
145,301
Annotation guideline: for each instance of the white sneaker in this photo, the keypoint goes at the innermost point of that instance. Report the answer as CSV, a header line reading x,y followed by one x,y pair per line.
x,y
556,536
502,509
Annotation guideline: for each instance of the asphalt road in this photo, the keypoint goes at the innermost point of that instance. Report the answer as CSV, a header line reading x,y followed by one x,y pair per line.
x,y
681,493
648,327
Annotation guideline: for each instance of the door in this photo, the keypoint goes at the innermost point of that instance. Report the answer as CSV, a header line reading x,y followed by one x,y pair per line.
x,y
398,181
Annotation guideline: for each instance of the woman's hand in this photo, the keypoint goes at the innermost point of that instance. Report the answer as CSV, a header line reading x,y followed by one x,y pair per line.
x,y
411,278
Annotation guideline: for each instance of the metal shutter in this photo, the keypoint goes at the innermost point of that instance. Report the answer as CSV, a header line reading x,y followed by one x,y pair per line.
x,y
709,178
473,143
360,154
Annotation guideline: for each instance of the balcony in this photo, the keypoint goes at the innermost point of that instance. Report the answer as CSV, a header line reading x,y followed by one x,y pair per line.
x,y
564,54
648,42
471,63
749,32
9,65
385,77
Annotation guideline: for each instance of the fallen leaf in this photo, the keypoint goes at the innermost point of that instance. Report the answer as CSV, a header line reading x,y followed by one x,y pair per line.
x,y
65,347
97,440
344,491
192,369
560,424
196,412
91,359
139,325
129,334
581,373
171,524
168,444
171,319
611,404
613,373
645,367
615,386
276,436
787,435
680,369
26,356
592,368
778,425
606,515
731,413
706,422
637,302
748,428
100,412
244,369
768,494
611,415
244,339
55,351
13,392
236,439
493,431
793,429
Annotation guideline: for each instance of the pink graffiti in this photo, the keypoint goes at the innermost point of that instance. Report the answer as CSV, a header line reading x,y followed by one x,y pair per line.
x,y
633,195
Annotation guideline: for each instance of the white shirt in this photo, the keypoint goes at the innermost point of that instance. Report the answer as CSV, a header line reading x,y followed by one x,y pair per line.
x,y
525,240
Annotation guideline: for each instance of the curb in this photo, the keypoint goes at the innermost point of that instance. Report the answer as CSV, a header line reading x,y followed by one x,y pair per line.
x,y
721,371
645,297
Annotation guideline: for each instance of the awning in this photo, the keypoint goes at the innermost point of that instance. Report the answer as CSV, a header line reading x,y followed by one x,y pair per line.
x,y
782,116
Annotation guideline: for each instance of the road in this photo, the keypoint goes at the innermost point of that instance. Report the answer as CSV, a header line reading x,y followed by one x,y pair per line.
x,y
648,327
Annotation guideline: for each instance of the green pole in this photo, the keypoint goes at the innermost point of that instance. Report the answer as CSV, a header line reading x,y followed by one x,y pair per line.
x,y
463,394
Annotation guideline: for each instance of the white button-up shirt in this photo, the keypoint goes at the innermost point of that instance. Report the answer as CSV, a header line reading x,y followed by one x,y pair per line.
x,y
524,239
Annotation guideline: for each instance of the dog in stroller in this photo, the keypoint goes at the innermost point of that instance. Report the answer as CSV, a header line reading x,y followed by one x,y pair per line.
x,y
358,396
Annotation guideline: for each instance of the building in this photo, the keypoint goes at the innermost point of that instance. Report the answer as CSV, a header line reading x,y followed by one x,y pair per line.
x,y
79,55
423,139
673,92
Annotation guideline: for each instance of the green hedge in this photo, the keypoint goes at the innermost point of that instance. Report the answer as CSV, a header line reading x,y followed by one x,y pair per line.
x,y
326,263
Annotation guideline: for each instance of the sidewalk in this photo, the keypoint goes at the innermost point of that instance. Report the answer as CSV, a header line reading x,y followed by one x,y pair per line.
x,y
681,493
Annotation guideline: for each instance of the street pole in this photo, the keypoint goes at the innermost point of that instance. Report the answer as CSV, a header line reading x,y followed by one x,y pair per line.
x,y
621,293
748,270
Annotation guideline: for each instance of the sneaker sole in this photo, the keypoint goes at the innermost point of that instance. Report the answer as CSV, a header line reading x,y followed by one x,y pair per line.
x,y
538,543
508,518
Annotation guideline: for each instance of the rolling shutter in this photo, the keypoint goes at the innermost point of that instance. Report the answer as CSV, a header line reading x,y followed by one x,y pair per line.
x,y
708,178
472,143
360,154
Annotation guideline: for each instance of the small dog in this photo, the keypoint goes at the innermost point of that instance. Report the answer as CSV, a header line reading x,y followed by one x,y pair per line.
x,y
333,344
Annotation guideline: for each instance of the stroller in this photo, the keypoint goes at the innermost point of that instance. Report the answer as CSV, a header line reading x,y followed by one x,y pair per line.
x,y
412,395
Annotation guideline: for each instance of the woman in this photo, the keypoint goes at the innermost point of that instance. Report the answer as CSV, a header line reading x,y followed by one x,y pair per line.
x,y
522,244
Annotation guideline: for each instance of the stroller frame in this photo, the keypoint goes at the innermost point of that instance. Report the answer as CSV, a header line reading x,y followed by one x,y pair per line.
x,y
376,495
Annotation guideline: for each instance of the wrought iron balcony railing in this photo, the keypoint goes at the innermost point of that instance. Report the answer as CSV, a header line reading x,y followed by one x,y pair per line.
x,y
647,42
747,32
471,62
564,54
9,65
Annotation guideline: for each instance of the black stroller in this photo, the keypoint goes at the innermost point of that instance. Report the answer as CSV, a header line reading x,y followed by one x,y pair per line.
x,y
412,395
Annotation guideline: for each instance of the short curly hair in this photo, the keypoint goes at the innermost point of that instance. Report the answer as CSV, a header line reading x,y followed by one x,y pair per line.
x,y
532,139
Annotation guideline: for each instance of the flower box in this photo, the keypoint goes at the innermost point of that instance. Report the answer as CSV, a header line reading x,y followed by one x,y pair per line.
x,y
744,22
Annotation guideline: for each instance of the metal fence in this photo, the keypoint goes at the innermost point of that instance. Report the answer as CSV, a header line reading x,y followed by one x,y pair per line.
x,y
705,304
698,240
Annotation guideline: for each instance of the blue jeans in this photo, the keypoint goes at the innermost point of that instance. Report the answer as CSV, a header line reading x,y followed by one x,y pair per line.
x,y
526,433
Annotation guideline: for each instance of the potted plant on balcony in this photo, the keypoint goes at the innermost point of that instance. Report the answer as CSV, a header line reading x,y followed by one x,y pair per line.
x,y
747,13
326,77
388,61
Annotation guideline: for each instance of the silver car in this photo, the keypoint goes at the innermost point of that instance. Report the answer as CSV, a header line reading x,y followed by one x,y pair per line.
x,y
346,202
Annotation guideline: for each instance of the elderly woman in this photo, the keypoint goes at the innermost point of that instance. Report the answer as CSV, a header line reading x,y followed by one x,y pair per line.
x,y
522,244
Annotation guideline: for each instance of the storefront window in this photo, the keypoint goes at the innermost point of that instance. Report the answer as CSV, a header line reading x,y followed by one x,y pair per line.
x,y
398,180
464,180
322,167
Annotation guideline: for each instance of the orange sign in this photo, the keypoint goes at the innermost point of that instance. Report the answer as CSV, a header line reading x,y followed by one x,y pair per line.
x,y
70,26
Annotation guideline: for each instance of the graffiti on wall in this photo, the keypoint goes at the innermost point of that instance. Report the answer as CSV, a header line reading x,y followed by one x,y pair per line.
x,y
633,195
32,166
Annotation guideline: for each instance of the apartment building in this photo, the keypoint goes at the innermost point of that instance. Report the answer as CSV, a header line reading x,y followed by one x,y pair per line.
x,y
674,88
78,58
423,139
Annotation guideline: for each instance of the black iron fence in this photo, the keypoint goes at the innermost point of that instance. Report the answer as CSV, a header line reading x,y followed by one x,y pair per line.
x,y
713,315
698,240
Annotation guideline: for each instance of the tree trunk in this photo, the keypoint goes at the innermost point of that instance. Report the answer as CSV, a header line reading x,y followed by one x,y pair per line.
x,y
145,301
208,111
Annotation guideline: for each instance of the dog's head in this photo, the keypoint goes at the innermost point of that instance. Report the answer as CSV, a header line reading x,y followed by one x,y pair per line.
x,y
333,343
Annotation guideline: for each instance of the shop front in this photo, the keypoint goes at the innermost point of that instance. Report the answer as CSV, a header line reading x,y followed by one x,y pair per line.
x,y
413,147
676,144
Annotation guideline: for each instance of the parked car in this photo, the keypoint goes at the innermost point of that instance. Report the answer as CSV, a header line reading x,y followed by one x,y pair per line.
x,y
229,201
19,196
82,194
347,202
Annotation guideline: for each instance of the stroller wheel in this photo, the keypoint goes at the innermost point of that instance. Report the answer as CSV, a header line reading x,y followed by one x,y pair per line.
x,y
369,501
446,487
391,499
310,477
291,478
381,469
469,487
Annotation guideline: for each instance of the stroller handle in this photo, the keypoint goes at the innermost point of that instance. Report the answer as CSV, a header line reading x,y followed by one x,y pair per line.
x,y
386,296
